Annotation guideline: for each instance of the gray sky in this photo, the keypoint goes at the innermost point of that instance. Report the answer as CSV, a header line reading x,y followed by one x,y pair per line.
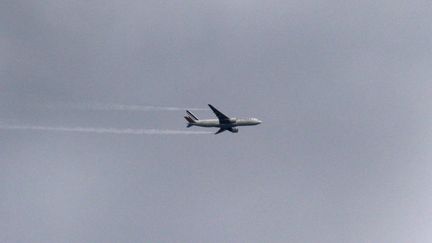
x,y
343,88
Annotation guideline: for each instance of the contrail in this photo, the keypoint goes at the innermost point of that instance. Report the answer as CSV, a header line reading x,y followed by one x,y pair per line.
x,y
121,107
104,130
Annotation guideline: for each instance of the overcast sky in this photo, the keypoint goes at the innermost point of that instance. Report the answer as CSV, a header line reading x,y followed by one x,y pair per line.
x,y
343,88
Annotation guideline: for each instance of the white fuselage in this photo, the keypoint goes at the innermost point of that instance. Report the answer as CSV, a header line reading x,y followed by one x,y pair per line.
x,y
234,123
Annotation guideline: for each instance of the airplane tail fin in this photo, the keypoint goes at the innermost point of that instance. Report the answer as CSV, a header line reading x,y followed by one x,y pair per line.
x,y
189,120
192,115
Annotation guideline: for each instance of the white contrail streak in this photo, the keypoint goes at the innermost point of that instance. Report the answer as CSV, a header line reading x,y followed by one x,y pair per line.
x,y
121,107
103,130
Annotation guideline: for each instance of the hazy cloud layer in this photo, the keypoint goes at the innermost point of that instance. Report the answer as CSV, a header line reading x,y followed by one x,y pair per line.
x,y
343,89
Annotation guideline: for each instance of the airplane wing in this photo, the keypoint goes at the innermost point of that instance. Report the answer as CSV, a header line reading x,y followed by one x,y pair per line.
x,y
220,130
222,118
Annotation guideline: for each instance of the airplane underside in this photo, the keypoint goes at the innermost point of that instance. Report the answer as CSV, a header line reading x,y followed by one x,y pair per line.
x,y
221,128
231,129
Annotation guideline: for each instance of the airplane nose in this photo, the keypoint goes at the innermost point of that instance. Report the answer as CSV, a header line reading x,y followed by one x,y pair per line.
x,y
259,121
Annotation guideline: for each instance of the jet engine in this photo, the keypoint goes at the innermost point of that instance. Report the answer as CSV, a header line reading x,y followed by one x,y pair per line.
x,y
234,130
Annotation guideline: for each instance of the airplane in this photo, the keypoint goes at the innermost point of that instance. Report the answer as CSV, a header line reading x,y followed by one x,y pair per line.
x,y
223,122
